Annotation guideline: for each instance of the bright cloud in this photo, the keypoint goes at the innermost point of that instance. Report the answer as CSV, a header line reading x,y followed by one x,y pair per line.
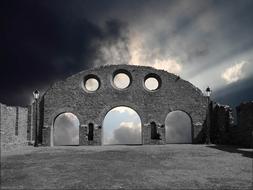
x,y
170,65
131,125
233,73
150,57
123,109
122,125
127,133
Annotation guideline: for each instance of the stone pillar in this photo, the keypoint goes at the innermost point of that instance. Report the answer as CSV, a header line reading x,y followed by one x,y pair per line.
x,y
46,136
146,134
83,137
30,124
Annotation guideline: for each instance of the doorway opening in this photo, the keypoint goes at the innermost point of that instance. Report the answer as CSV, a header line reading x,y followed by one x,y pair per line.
x,y
178,127
122,125
66,129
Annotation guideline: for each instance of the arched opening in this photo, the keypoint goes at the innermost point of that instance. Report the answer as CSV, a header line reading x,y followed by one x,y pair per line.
x,y
66,129
122,125
178,127
91,132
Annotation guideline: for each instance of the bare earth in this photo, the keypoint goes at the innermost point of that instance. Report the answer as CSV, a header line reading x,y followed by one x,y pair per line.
x,y
127,167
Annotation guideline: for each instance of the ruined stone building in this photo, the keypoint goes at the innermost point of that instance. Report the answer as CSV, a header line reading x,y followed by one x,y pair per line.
x,y
91,105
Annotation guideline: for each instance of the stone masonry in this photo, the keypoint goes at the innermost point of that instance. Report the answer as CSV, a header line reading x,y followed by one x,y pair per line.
x,y
13,126
242,135
222,122
17,124
173,94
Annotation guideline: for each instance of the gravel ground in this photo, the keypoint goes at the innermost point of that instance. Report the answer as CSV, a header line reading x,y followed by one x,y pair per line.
x,y
127,167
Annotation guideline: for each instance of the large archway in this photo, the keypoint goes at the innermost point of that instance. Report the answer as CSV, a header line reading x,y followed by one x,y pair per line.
x,y
178,127
66,129
122,125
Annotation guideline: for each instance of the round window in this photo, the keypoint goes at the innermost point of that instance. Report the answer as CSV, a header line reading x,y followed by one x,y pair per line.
x,y
152,82
91,84
121,80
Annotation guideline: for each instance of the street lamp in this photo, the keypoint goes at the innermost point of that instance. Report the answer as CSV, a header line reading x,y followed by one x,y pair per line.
x,y
208,92
208,122
36,95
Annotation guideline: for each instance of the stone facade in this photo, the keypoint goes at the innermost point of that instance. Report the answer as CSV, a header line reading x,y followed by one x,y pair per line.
x,y
152,106
13,125
17,124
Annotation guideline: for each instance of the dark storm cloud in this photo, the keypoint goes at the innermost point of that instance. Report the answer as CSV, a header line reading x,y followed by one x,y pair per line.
x,y
235,93
47,40
40,45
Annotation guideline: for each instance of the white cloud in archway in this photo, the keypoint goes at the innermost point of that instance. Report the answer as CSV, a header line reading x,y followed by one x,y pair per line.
x,y
66,129
122,125
178,128
123,109
126,133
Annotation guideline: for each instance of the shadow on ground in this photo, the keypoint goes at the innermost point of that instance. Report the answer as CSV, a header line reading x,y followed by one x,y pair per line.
x,y
234,149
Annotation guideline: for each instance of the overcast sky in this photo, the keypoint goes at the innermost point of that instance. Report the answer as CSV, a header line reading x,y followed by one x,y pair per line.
x,y
206,42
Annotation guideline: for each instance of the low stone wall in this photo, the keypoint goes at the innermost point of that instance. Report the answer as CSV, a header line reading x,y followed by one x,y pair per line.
x,y
13,126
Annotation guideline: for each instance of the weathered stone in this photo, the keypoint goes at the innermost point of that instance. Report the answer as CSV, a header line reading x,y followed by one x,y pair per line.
x,y
242,134
91,107
13,126
17,124
222,121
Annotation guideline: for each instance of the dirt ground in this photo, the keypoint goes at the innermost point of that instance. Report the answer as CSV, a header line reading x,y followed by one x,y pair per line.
x,y
127,167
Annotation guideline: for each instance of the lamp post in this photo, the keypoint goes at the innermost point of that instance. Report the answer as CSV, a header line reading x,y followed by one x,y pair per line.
x,y
36,95
208,122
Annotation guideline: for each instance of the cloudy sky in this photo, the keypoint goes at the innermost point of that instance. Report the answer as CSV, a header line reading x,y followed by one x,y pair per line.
x,y
206,42
66,129
122,125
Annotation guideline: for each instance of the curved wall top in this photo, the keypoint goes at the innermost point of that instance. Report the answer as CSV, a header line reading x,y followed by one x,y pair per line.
x,y
91,107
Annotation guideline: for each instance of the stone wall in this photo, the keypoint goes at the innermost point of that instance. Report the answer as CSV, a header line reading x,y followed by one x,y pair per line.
x,y
173,94
242,135
13,125
223,129
30,124
221,124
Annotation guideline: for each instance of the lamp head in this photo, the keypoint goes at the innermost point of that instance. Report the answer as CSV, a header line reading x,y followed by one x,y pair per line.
x,y
208,91
36,94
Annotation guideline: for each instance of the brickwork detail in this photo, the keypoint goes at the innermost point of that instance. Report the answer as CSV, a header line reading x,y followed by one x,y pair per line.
x,y
13,126
91,107
17,124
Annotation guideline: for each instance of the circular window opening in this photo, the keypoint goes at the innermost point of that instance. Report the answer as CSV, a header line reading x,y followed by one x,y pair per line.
x,y
91,84
121,80
151,83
